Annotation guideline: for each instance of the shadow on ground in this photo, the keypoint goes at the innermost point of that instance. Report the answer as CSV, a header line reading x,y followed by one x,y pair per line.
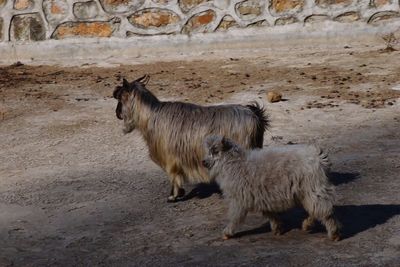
x,y
338,178
202,191
359,218
355,219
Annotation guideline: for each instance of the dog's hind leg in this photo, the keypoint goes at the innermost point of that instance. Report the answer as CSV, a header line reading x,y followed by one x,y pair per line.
x,y
275,222
236,215
332,226
322,210
308,223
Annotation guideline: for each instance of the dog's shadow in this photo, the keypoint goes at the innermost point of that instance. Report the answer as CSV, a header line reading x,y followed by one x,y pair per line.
x,y
354,219
338,178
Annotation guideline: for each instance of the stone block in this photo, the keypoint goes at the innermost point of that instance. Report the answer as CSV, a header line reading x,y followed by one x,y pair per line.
x,y
2,3
55,10
162,2
250,9
86,29
316,18
27,27
273,96
187,5
348,17
379,3
286,6
222,4
328,3
85,10
23,4
382,17
121,6
260,23
286,21
200,22
226,23
153,18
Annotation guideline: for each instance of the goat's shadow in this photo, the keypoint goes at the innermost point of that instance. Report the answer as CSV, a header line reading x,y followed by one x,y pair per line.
x,y
202,190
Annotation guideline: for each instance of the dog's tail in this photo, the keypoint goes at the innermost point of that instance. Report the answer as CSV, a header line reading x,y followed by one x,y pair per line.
x,y
262,123
324,159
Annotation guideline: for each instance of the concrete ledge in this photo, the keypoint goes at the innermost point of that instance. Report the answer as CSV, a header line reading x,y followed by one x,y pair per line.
x,y
111,51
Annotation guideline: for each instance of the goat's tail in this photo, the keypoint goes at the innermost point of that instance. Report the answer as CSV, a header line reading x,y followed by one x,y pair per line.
x,y
262,123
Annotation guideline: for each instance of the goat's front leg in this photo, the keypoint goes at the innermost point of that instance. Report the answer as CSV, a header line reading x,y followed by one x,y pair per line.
x,y
236,215
176,188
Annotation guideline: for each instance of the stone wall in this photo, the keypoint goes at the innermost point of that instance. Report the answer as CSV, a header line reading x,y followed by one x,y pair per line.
x,y
36,20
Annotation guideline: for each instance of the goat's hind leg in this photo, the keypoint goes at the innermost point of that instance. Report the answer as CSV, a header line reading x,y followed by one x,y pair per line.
x,y
176,188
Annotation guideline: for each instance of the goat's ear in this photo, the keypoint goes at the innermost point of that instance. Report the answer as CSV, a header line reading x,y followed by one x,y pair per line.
x,y
226,144
125,83
117,92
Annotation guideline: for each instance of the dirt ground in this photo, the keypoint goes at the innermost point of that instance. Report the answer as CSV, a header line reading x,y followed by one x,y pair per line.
x,y
76,191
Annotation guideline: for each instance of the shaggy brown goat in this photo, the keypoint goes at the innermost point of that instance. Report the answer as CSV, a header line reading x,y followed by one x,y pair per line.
x,y
174,131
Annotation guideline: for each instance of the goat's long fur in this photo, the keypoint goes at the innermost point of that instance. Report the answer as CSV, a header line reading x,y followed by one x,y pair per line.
x,y
174,131
272,180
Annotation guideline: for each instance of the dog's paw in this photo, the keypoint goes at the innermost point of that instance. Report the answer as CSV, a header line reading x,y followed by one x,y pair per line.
x,y
336,237
226,237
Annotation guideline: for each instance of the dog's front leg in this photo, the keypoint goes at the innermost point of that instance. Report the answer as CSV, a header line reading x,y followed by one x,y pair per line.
x,y
236,215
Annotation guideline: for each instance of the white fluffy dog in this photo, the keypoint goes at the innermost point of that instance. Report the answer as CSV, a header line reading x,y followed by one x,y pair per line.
x,y
272,180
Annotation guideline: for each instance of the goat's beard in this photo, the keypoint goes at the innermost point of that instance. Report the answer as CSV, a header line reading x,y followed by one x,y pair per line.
x,y
129,126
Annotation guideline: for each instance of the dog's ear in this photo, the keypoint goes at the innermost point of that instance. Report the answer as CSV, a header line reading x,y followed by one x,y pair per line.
x,y
125,83
226,144
209,141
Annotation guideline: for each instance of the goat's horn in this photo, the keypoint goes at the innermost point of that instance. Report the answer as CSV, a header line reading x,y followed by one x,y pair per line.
x,y
144,79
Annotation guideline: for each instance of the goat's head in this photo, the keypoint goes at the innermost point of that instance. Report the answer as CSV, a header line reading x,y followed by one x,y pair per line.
x,y
126,95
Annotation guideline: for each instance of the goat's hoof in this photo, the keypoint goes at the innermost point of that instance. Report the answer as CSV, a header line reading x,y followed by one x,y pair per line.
x,y
171,199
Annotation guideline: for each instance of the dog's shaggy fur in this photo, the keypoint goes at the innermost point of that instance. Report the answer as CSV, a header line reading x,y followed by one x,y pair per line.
x,y
175,131
272,180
